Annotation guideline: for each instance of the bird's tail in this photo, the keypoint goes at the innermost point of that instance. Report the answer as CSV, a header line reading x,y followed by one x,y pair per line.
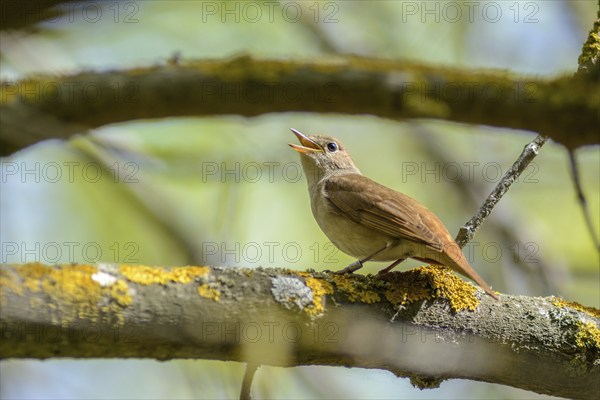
x,y
458,262
453,257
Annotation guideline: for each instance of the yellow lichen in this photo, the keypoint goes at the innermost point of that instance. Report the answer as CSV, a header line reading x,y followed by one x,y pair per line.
x,y
188,274
71,286
319,288
156,275
432,281
119,292
558,302
588,335
355,290
209,292
71,289
9,281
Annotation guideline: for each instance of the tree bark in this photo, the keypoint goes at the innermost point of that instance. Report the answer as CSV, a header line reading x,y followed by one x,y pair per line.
x,y
564,109
426,323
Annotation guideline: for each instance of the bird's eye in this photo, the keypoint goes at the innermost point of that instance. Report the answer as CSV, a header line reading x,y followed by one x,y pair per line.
x,y
332,146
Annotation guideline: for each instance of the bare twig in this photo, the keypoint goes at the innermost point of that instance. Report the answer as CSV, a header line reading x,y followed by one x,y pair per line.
x,y
466,233
246,391
546,279
581,198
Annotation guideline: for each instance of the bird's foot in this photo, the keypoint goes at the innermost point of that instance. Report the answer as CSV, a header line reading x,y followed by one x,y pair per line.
x,y
355,266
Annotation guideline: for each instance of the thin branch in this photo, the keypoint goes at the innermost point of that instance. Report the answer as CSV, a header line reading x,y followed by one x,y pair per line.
x,y
246,390
530,151
504,227
581,197
443,327
58,107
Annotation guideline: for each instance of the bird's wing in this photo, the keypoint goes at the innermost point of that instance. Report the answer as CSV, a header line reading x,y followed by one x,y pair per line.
x,y
400,216
384,210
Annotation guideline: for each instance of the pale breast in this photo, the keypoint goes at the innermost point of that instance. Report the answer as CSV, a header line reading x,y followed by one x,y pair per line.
x,y
351,237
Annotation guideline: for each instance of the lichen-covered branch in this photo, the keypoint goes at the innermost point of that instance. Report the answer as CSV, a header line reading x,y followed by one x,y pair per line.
x,y
564,108
590,53
426,324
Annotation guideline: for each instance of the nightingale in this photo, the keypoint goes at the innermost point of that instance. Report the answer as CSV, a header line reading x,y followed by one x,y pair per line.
x,y
369,221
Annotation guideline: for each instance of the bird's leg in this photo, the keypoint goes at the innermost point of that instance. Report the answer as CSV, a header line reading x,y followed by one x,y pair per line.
x,y
355,266
358,264
390,267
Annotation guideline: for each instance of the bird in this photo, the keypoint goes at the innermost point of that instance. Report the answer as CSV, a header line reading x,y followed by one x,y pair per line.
x,y
370,221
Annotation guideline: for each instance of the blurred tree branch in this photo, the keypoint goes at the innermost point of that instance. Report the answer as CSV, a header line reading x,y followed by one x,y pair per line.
x,y
564,109
590,52
588,66
426,324
16,14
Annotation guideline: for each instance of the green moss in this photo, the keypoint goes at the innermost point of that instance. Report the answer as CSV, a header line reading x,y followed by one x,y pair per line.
x,y
591,48
425,382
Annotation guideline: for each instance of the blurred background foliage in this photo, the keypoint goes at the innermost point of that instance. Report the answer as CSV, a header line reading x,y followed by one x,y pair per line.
x,y
226,190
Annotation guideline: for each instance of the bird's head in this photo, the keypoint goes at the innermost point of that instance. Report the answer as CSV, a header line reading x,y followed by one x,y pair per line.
x,y
323,156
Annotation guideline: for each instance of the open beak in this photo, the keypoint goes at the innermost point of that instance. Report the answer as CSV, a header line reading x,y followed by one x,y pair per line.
x,y
308,145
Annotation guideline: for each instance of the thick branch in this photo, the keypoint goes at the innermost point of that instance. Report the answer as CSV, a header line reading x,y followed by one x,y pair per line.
x,y
426,323
565,109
